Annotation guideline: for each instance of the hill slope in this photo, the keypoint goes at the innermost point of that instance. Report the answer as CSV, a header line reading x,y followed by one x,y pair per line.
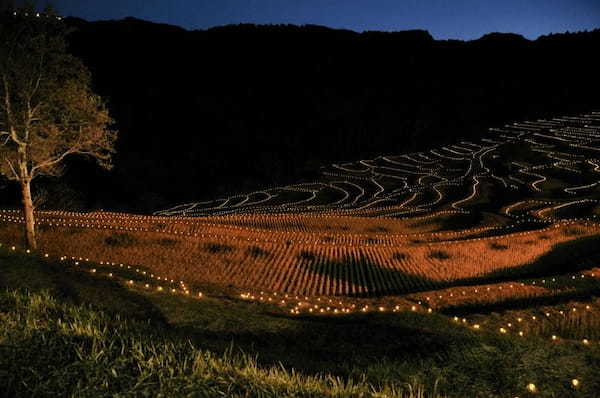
x,y
204,114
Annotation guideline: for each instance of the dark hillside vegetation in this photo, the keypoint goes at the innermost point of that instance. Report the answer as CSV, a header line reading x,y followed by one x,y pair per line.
x,y
236,108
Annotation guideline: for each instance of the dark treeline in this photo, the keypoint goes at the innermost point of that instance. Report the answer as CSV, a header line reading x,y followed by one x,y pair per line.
x,y
207,113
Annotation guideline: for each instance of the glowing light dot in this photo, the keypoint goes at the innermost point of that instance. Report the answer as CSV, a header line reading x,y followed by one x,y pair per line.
x,y
554,337
531,387
575,383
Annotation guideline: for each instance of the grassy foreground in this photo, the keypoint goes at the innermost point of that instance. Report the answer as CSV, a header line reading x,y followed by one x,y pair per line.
x,y
64,332
57,349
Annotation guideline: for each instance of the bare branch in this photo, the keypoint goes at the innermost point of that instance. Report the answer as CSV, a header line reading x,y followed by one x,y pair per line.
x,y
51,162
12,169
39,77
7,99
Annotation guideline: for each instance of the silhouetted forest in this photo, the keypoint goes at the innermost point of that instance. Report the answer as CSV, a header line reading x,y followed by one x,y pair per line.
x,y
207,113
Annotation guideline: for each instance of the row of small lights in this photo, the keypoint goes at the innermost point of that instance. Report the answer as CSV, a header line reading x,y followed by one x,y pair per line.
x,y
521,333
262,296
178,209
37,15
316,309
534,281
321,308
378,242
363,162
555,205
78,261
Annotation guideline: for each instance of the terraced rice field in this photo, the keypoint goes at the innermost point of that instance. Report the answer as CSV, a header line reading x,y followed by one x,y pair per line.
x,y
520,203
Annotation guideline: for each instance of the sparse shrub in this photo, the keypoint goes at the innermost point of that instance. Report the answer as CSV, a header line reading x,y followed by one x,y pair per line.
x,y
215,248
378,229
167,242
120,240
40,227
256,252
439,255
306,255
498,246
158,225
574,231
335,228
400,256
64,230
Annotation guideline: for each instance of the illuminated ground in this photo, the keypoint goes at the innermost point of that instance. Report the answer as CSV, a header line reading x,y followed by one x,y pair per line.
x,y
500,236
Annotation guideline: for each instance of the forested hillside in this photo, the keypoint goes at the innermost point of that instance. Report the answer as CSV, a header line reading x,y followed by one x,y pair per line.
x,y
230,109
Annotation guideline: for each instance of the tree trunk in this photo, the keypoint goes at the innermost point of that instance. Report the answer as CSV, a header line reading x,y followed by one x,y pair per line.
x,y
28,211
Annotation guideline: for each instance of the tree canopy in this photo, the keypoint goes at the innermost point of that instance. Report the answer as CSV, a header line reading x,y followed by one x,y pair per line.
x,y
47,108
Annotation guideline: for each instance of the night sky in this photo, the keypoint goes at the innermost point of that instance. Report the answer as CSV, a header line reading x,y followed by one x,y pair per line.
x,y
444,19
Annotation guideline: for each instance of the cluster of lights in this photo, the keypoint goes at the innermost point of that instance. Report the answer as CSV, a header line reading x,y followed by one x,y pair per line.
x,y
364,194
143,223
369,282
518,326
174,286
319,306
37,15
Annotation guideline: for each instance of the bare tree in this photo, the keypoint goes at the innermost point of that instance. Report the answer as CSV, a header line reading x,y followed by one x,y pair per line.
x,y
47,108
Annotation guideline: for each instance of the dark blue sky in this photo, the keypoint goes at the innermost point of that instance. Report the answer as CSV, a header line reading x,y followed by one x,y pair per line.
x,y
444,19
